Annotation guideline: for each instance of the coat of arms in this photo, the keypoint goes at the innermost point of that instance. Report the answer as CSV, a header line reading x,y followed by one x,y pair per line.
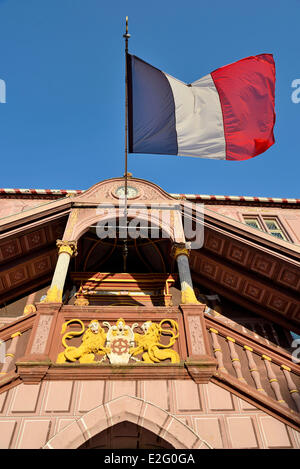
x,y
120,343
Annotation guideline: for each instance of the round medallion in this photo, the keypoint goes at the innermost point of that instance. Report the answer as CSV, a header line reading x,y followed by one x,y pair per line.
x,y
132,192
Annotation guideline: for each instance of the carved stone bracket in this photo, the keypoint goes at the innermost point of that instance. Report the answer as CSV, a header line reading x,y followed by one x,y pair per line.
x,y
32,369
201,370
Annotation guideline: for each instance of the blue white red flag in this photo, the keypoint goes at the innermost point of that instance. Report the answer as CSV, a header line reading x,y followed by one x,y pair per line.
x,y
228,114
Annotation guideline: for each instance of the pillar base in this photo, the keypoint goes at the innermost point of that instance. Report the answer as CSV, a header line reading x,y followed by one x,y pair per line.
x,y
29,309
188,296
54,295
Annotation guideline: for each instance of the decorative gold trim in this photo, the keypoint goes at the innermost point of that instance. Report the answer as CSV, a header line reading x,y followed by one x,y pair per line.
x,y
179,250
265,357
273,380
10,355
188,296
69,247
96,341
284,367
54,295
29,309
230,339
16,334
248,348
211,329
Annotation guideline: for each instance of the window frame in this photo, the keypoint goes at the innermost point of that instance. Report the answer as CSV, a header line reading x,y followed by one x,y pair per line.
x,y
263,226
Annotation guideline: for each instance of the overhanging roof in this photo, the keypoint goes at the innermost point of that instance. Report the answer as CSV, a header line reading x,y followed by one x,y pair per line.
x,y
55,193
242,263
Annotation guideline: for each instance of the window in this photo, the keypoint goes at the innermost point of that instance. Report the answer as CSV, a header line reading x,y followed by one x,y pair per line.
x,y
270,225
252,222
274,228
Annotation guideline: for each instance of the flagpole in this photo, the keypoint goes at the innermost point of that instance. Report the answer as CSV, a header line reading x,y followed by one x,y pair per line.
x,y
126,37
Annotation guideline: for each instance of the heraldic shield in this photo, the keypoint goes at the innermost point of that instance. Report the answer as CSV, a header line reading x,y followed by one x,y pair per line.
x,y
119,339
120,343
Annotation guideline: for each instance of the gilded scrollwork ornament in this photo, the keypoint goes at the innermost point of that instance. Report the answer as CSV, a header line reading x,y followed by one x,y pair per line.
x,y
149,343
93,342
120,343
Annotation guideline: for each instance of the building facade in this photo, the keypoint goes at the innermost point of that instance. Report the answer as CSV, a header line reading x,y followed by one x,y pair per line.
x,y
148,339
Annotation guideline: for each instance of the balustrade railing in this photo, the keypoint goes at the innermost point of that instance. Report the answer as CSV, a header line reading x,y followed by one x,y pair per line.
x,y
267,368
13,340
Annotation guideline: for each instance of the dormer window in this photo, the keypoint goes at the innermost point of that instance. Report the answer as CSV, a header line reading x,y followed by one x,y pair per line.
x,y
274,228
270,225
253,222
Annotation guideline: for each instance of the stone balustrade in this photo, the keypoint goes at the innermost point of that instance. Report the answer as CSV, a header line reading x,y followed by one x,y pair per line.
x,y
270,370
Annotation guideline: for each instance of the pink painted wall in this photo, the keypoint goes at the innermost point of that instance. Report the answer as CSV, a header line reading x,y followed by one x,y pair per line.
x,y
290,218
31,415
13,206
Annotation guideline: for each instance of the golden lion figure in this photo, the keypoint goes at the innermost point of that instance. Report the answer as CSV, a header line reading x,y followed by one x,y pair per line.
x,y
149,342
93,341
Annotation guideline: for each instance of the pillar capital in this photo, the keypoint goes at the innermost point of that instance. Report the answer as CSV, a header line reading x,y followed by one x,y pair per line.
x,y
69,247
179,249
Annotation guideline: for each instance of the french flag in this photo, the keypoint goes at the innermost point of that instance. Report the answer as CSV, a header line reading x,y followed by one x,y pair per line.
x,y
228,114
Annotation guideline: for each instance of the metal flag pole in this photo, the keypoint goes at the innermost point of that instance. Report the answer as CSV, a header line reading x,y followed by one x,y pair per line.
x,y
125,247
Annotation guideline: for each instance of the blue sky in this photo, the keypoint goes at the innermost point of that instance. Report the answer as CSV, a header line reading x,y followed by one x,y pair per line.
x,y
62,126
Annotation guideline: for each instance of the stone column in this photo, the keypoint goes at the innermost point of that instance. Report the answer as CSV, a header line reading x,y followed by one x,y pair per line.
x,y
66,249
181,254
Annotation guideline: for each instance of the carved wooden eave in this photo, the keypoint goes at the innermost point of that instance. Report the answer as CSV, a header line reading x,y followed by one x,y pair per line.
x,y
241,263
27,239
250,268
28,251
251,235
31,218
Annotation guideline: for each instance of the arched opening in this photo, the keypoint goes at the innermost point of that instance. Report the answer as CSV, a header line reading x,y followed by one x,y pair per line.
x,y
126,435
111,270
143,415
144,254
